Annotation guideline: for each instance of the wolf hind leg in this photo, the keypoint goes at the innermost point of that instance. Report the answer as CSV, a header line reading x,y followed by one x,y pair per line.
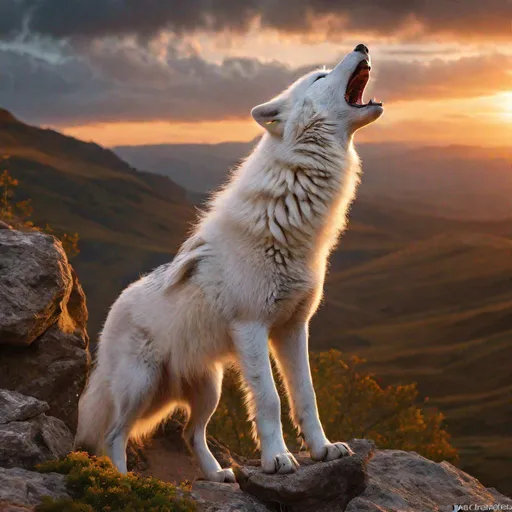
x,y
203,397
133,388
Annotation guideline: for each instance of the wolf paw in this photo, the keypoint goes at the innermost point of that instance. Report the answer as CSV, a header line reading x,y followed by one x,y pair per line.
x,y
331,451
222,476
281,464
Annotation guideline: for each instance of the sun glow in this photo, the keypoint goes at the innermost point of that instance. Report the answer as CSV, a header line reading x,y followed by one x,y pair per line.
x,y
156,132
505,100
448,121
497,107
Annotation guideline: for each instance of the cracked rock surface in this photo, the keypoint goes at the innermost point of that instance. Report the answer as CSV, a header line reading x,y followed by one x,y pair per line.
x,y
20,488
27,435
43,340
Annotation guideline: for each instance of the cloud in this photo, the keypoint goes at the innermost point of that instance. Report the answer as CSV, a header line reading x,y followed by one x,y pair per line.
x,y
100,18
476,132
123,81
439,79
12,13
116,82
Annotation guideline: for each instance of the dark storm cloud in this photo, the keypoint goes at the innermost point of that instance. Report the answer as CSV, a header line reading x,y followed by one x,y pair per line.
x,y
127,84
476,18
12,13
96,18
116,82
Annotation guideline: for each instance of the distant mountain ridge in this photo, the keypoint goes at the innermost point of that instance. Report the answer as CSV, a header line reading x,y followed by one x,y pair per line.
x,y
452,181
196,167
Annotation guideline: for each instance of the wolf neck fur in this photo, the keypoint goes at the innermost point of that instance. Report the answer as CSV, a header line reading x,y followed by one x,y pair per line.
x,y
290,200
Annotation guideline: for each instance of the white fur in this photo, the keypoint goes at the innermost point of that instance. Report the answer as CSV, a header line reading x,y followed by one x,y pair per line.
x,y
251,271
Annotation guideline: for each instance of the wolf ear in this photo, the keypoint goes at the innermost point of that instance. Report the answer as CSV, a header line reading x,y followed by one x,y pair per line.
x,y
270,116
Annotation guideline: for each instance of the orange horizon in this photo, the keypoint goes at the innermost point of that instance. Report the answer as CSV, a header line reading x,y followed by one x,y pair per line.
x,y
484,121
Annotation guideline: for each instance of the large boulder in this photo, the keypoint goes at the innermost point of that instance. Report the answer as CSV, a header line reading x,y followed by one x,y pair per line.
x,y
27,435
43,339
35,280
408,482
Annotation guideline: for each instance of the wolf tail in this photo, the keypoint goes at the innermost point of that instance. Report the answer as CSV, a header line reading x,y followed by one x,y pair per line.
x,y
95,410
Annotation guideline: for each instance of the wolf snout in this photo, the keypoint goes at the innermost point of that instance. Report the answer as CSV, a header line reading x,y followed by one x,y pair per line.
x,y
362,48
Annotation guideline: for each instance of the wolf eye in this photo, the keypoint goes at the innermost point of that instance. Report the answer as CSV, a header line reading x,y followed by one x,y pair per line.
x,y
318,78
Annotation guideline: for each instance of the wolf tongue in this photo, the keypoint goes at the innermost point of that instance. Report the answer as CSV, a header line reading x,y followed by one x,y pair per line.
x,y
355,89
357,84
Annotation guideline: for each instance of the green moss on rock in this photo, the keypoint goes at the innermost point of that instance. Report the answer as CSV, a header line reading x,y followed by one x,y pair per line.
x,y
96,486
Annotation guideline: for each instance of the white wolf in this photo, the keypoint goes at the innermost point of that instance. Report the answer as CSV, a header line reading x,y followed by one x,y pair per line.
x,y
250,275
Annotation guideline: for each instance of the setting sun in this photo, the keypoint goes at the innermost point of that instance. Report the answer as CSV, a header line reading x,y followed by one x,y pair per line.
x,y
506,100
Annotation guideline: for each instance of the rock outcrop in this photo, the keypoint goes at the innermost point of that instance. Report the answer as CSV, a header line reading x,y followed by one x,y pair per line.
x,y
408,482
370,481
44,361
27,435
43,339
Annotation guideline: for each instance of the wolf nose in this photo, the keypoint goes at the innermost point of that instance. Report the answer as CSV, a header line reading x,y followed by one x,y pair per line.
x,y
362,48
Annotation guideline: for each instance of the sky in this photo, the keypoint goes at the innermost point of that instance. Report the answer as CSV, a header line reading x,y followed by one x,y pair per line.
x,y
127,72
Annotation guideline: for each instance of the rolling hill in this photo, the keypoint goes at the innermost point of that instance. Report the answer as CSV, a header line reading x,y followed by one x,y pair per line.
x,y
422,297
128,221
438,312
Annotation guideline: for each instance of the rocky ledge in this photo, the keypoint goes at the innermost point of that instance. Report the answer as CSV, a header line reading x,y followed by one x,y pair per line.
x,y
370,481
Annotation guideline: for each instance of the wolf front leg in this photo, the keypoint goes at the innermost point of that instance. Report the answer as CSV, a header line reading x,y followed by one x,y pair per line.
x,y
251,343
290,348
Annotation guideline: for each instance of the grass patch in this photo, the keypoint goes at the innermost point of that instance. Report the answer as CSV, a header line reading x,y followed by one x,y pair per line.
x,y
96,486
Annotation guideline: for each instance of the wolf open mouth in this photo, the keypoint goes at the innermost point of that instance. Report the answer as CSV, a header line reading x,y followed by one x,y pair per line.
x,y
356,85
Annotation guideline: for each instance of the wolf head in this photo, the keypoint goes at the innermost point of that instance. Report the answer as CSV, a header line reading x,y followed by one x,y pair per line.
x,y
335,95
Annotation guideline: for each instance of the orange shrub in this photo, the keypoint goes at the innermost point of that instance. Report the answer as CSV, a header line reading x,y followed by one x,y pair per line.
x,y
351,404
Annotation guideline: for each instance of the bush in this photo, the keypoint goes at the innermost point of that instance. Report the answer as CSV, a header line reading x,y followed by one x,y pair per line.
x,y
96,486
18,214
351,404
